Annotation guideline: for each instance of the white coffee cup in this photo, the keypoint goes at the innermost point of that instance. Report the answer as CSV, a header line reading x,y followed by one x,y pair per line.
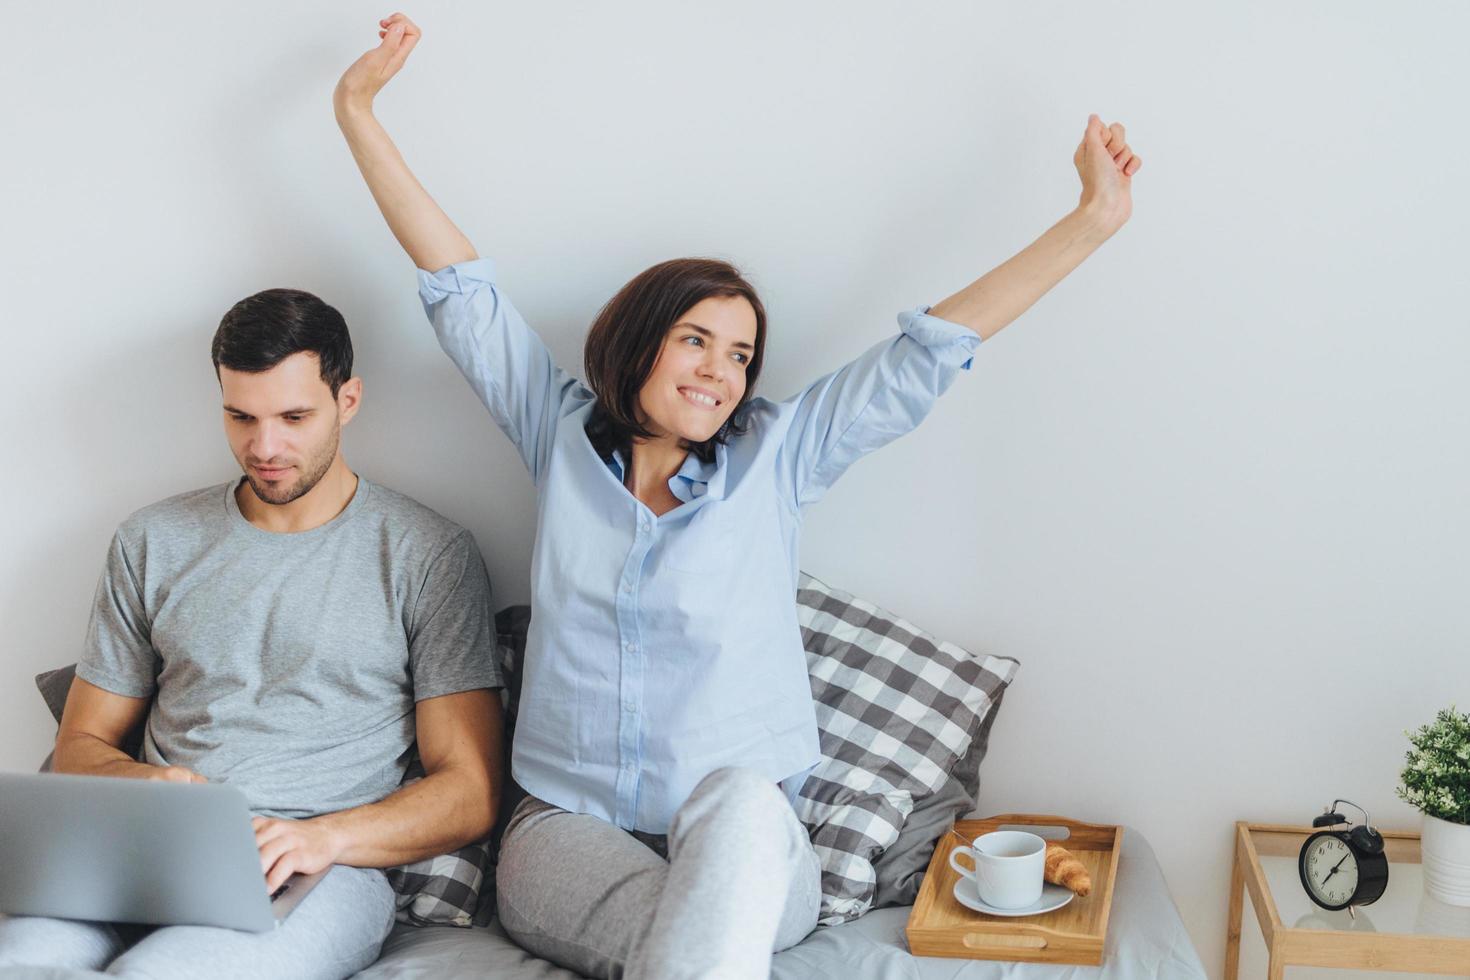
x,y
1009,867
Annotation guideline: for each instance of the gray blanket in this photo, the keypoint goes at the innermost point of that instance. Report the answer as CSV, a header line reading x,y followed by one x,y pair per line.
x,y
1146,941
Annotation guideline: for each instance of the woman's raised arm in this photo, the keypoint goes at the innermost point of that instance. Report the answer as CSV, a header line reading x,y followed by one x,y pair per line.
x,y
1106,165
428,236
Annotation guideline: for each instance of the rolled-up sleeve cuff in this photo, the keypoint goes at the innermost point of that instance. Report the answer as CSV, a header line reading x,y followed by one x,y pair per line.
x,y
462,277
944,338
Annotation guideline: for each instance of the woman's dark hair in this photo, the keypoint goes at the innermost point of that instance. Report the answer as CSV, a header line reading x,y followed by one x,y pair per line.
x,y
625,339
263,330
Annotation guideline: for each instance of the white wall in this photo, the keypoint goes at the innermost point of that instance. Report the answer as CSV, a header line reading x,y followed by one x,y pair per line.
x,y
1211,491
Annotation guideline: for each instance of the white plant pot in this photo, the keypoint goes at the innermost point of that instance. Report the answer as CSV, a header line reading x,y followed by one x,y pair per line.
x,y
1446,854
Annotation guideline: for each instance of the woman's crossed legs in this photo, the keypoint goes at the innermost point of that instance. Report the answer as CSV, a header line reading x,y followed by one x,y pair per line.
x,y
741,881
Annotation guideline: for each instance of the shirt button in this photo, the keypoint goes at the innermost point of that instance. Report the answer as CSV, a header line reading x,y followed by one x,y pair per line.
x,y
643,525
627,587
632,647
628,706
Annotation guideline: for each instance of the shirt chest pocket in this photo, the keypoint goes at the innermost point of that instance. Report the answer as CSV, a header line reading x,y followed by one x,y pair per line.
x,y
704,546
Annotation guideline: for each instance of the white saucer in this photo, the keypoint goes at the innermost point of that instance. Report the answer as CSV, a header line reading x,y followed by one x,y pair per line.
x,y
1052,897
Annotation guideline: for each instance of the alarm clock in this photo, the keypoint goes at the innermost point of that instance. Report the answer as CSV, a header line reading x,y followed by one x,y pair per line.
x,y
1341,868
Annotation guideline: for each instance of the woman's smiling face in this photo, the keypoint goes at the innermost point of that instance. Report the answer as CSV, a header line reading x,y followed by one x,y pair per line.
x,y
699,376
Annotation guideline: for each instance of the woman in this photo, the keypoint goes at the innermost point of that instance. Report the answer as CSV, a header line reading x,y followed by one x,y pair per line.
x,y
666,720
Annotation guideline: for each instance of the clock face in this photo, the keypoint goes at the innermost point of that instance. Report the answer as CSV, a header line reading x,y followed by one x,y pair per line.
x,y
1331,871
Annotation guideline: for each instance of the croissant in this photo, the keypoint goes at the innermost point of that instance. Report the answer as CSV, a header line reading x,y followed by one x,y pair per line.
x,y
1063,868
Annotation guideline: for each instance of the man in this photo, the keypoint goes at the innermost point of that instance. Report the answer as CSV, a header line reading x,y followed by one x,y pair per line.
x,y
297,631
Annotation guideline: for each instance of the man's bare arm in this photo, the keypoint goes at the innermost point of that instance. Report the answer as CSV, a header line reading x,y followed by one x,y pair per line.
x,y
94,725
459,738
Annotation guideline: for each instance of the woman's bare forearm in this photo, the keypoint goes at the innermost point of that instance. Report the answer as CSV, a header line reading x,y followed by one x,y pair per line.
x,y
431,240
1010,289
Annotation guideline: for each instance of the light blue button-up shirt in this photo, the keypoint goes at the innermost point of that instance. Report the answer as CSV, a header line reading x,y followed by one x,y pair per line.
x,y
664,647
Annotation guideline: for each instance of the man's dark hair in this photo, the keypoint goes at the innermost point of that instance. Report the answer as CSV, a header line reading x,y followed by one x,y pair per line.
x,y
263,330
625,339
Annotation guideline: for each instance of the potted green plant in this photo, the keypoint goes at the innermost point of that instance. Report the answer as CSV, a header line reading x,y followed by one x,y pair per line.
x,y
1436,779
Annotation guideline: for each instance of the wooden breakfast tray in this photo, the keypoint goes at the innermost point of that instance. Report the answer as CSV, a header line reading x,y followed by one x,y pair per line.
x,y
1074,933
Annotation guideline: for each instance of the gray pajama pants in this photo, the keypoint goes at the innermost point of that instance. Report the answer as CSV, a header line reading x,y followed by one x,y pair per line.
x,y
337,930
740,882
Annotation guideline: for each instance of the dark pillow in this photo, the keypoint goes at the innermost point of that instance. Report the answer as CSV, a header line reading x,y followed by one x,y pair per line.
x,y
54,686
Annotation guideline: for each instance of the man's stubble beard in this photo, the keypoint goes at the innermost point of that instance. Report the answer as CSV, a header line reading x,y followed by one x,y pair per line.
x,y
317,467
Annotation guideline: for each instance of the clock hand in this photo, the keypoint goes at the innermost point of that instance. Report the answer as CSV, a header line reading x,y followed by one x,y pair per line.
x,y
1334,869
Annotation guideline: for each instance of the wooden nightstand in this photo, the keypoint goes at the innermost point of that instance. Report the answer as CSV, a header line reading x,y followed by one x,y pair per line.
x,y
1404,930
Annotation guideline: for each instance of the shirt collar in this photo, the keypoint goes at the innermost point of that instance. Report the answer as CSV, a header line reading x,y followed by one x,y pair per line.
x,y
695,478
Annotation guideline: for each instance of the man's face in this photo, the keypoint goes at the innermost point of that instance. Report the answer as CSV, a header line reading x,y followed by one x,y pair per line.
x,y
284,425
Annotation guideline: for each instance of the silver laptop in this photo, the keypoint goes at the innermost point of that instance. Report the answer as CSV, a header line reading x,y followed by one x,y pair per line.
x,y
134,850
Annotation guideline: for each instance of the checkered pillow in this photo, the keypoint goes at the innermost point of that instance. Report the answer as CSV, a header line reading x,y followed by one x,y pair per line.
x,y
443,890
897,709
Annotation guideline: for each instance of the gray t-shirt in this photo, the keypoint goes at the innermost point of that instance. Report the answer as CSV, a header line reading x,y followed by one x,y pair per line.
x,y
288,665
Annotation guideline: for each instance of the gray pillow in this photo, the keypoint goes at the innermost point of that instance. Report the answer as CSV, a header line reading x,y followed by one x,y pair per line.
x,y
54,686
